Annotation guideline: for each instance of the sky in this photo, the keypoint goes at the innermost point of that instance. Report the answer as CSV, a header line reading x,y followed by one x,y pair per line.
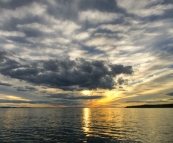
x,y
86,53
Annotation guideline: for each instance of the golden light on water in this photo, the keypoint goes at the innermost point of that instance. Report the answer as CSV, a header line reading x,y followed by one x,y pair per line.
x,y
86,120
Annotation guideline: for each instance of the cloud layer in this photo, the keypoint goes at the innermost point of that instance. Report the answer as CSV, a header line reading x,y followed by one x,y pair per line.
x,y
69,46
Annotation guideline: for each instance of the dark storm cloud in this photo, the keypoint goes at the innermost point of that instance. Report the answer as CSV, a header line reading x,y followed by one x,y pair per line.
x,y
27,88
122,81
65,74
72,97
170,94
5,84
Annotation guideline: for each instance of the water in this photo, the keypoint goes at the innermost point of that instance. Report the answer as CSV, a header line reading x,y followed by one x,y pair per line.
x,y
92,125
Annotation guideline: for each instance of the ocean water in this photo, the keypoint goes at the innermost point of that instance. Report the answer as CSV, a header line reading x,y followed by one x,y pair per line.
x,y
91,125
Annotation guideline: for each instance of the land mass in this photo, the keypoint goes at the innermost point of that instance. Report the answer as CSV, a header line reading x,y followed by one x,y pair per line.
x,y
152,106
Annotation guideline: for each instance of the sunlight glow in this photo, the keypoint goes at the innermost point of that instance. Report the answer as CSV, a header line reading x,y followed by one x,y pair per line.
x,y
11,97
109,96
86,120
86,92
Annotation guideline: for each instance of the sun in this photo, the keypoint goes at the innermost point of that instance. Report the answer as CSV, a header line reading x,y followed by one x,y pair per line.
x,y
86,92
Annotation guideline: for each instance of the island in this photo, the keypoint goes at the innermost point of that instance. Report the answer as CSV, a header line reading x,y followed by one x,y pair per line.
x,y
152,106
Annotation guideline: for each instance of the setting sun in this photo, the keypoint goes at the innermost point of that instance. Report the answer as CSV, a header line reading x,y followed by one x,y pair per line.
x,y
86,71
86,92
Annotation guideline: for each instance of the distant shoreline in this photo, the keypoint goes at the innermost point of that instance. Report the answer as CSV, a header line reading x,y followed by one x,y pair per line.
x,y
135,106
152,106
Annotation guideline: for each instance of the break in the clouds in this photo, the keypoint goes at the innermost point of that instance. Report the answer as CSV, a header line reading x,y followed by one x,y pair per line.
x,y
110,47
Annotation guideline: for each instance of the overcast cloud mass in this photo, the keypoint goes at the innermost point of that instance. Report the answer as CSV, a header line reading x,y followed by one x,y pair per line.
x,y
86,52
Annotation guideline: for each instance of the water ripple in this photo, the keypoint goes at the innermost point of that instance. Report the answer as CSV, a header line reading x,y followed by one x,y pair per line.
x,y
86,125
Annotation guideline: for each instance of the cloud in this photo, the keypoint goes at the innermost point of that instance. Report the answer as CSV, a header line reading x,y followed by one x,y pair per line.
x,y
122,81
5,84
3,54
72,97
11,33
170,94
150,101
23,11
65,74
23,101
26,88
82,36
135,101
114,27
96,17
144,8
111,36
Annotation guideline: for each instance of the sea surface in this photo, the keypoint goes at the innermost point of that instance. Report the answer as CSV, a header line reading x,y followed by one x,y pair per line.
x,y
91,125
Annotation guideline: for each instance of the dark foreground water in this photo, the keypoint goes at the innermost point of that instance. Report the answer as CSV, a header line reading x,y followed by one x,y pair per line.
x,y
92,125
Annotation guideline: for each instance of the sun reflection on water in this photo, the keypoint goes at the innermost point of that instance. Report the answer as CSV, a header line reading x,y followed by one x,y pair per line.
x,y
86,120
85,125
